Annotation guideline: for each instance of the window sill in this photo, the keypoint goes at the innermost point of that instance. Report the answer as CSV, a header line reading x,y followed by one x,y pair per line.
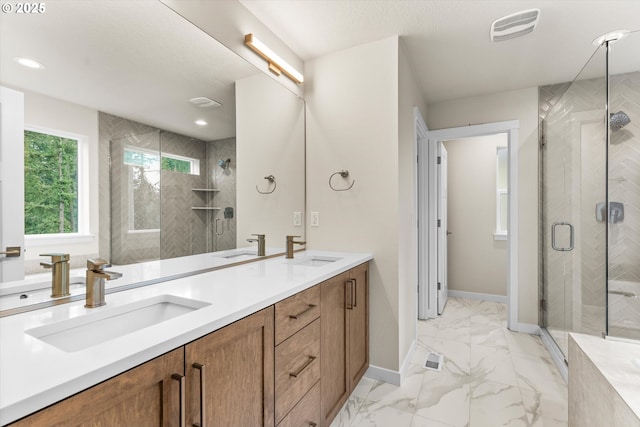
x,y
499,236
61,239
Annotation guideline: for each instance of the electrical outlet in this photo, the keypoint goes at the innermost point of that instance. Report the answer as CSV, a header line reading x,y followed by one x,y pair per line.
x,y
315,219
297,219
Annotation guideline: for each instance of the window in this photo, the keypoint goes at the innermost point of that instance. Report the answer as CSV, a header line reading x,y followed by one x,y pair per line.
x,y
144,184
502,195
53,194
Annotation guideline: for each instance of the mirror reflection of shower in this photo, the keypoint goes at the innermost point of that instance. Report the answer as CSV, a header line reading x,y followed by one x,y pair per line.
x,y
224,164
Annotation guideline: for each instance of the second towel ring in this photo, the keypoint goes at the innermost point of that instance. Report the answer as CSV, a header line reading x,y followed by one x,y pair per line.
x,y
343,173
271,179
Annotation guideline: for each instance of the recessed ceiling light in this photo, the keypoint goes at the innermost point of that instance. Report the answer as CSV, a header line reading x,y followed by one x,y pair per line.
x,y
28,63
201,122
612,36
204,102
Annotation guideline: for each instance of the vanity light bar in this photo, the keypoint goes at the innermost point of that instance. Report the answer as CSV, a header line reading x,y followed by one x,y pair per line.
x,y
277,65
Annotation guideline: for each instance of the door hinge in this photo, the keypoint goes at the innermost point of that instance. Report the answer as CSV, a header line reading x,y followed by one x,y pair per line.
x,y
439,223
439,160
542,304
439,286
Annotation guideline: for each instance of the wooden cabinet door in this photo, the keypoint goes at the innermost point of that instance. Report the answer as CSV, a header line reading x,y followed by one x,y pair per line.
x,y
358,321
334,382
146,395
236,366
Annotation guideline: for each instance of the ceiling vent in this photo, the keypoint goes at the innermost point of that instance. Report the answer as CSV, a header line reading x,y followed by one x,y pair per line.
x,y
204,102
514,25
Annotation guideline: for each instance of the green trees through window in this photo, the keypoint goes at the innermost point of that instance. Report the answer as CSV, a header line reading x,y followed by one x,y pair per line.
x,y
50,184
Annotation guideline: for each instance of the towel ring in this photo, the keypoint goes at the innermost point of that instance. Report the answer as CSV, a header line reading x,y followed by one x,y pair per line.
x,y
271,179
343,173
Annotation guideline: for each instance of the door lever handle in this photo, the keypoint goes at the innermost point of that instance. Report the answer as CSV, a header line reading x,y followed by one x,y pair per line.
x,y
11,251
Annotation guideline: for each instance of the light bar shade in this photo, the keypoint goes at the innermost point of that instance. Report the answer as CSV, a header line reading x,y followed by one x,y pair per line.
x,y
276,64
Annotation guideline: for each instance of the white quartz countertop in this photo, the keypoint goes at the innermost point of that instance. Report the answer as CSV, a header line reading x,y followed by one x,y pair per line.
x,y
35,374
37,287
615,361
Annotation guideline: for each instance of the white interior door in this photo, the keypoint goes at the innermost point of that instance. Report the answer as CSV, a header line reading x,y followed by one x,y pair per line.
x,y
11,183
443,288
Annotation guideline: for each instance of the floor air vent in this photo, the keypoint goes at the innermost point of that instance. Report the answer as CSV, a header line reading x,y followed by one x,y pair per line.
x,y
434,362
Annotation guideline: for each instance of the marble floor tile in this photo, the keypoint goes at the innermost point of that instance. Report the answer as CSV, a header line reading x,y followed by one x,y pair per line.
x,y
444,397
488,334
539,375
492,364
491,377
543,410
525,343
456,355
494,404
380,417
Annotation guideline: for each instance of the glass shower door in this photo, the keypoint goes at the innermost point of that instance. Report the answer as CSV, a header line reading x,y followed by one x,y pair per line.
x,y
573,217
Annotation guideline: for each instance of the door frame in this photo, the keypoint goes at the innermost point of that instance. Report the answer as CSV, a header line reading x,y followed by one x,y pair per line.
x,y
427,283
11,182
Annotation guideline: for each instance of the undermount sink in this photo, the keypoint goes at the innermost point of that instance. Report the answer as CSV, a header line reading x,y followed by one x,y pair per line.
x,y
316,261
31,289
95,328
636,362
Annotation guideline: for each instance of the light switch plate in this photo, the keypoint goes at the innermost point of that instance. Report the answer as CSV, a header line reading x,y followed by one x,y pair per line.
x,y
297,219
315,219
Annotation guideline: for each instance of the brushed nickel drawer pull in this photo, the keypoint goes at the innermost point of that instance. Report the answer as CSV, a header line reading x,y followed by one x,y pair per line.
x,y
355,293
183,414
295,316
303,367
200,368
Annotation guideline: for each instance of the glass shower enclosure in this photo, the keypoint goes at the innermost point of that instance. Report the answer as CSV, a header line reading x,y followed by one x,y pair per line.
x,y
590,198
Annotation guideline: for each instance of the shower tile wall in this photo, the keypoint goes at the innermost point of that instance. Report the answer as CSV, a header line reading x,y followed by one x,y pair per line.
x,y
583,294
183,231
225,181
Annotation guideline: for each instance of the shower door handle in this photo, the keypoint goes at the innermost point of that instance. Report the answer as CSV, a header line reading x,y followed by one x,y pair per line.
x,y
553,237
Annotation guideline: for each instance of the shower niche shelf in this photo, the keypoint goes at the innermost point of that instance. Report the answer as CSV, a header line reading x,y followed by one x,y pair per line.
x,y
205,208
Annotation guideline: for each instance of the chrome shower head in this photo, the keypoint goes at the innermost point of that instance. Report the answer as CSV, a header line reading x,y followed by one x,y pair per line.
x,y
618,120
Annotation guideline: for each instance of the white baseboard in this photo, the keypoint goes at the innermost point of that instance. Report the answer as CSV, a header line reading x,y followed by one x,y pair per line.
x,y
384,375
475,295
407,360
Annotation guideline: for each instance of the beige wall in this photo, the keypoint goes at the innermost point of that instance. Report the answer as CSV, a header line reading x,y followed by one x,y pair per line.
x,y
55,114
519,105
269,141
360,117
352,110
476,261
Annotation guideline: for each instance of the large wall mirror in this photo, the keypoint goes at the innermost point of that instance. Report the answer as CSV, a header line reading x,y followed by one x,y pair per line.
x,y
173,134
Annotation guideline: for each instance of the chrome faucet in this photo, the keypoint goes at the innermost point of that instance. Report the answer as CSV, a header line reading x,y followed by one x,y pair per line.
x,y
261,243
59,266
95,281
290,243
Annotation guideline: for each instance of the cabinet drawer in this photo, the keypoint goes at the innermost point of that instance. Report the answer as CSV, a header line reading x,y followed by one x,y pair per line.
x,y
307,412
296,312
297,367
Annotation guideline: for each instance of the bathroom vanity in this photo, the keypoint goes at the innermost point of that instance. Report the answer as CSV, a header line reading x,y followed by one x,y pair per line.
x,y
278,342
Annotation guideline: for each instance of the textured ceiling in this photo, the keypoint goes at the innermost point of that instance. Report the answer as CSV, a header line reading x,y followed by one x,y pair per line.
x,y
447,41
